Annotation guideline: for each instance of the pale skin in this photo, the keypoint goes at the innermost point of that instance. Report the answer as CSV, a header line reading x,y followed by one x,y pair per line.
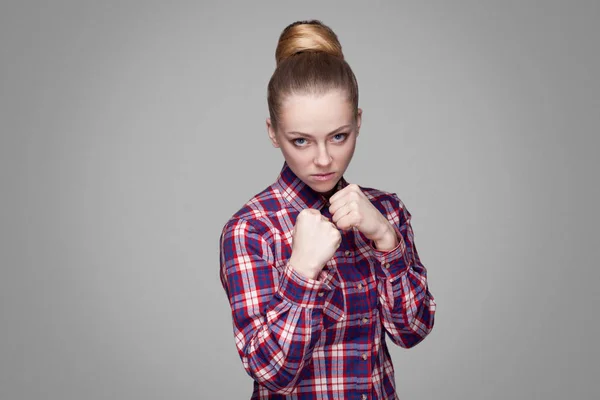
x,y
317,135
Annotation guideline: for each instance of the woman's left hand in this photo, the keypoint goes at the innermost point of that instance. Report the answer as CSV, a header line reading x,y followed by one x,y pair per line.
x,y
350,208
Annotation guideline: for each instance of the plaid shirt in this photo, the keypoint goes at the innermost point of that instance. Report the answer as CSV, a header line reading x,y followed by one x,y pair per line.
x,y
302,338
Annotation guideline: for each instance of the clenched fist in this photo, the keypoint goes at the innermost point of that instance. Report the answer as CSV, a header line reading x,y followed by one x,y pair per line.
x,y
314,242
350,208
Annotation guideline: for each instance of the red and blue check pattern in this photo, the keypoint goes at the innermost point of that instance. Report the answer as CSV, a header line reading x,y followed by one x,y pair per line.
x,y
300,338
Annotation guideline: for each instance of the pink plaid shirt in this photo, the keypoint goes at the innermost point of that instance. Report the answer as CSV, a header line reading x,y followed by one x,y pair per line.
x,y
324,338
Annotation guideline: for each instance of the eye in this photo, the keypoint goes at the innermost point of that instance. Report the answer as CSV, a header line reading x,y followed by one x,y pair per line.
x,y
343,137
295,142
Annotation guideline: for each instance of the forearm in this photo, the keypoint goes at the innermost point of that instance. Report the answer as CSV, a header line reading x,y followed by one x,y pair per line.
x,y
406,304
407,308
277,313
275,344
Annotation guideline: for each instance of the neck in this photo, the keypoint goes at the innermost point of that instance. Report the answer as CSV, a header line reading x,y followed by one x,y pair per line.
x,y
331,192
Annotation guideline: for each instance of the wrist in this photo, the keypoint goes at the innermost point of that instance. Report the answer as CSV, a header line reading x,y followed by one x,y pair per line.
x,y
303,268
387,240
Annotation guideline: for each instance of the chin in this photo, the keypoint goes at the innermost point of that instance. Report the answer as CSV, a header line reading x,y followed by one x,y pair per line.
x,y
323,187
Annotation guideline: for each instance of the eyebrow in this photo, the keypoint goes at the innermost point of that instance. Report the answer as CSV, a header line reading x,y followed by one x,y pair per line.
x,y
330,133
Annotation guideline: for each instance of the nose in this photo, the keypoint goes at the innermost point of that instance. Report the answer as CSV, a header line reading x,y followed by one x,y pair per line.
x,y
323,158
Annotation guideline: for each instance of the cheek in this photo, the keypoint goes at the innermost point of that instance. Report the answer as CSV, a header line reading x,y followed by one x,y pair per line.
x,y
343,152
295,155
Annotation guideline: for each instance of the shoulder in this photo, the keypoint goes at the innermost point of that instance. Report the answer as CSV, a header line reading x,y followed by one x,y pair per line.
x,y
256,214
377,194
388,203
382,196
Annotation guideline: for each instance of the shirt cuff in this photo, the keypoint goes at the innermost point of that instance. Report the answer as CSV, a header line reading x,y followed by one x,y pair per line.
x,y
300,290
390,264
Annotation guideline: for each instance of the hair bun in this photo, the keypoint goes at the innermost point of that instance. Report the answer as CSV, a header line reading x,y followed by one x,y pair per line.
x,y
307,36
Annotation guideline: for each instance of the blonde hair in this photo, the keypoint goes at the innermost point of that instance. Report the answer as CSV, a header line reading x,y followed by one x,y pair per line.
x,y
309,61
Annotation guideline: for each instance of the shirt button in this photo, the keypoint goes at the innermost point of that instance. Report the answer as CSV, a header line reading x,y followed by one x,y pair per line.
x,y
386,265
360,286
365,320
347,253
363,397
364,356
321,294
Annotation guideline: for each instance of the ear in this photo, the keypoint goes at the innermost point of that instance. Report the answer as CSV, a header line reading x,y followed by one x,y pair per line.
x,y
271,132
358,120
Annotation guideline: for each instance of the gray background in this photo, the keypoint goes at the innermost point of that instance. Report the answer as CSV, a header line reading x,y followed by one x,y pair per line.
x,y
131,132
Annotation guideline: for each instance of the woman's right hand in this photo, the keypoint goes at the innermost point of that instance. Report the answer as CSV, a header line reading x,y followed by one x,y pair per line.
x,y
314,242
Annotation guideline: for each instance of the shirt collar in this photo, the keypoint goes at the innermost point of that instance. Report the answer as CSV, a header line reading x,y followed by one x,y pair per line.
x,y
298,193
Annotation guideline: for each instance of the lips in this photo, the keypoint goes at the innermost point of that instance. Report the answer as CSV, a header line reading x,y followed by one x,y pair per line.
x,y
329,173
323,178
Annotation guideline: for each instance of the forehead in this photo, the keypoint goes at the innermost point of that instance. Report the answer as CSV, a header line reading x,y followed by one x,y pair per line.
x,y
315,114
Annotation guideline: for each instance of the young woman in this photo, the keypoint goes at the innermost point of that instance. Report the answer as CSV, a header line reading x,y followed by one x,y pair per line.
x,y
317,269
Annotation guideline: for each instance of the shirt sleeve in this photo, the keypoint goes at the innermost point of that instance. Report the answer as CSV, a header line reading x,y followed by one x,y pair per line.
x,y
277,316
407,306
